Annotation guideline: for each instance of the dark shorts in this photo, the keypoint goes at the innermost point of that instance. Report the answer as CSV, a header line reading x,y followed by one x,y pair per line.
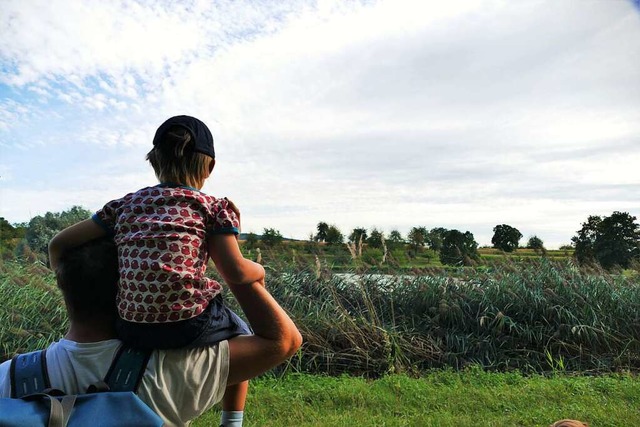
x,y
216,323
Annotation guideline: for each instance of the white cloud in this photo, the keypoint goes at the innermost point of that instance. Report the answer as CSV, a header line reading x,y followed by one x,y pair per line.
x,y
392,113
84,38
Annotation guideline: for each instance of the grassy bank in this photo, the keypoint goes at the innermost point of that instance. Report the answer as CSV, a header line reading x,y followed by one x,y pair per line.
x,y
537,316
445,398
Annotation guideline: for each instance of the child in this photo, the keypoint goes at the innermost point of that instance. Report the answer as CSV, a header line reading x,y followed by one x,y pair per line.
x,y
165,235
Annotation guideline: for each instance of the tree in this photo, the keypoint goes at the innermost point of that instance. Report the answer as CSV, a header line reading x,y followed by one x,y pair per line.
x,y
8,231
458,248
618,241
394,240
434,238
323,229
611,241
585,241
252,240
334,236
375,239
395,237
42,228
10,235
536,244
416,237
357,234
505,237
271,237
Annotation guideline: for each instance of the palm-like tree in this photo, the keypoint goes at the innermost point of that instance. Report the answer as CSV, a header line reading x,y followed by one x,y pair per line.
x,y
323,229
357,234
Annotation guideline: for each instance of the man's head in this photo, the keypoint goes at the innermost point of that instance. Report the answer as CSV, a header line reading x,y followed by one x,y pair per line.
x,y
88,277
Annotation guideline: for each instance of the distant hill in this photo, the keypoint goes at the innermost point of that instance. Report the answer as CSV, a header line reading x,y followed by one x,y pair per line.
x,y
243,236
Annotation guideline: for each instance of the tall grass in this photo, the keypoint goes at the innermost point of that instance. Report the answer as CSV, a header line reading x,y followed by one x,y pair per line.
x,y
32,313
537,316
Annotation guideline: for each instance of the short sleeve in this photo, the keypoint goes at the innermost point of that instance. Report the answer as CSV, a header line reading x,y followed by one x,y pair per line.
x,y
224,220
106,217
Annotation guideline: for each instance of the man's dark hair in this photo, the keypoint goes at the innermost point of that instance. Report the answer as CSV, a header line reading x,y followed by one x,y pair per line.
x,y
88,278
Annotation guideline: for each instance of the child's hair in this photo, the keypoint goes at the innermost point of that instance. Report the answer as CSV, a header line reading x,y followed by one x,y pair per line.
x,y
174,160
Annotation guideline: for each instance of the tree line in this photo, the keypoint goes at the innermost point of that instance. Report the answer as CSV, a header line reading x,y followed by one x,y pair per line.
x,y
454,247
608,241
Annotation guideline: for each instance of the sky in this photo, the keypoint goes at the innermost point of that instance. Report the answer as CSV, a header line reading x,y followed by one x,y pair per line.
x,y
388,114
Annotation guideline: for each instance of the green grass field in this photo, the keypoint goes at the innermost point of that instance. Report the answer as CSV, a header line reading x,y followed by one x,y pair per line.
x,y
443,398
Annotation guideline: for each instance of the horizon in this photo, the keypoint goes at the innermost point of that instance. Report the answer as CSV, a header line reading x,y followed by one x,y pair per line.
x,y
374,114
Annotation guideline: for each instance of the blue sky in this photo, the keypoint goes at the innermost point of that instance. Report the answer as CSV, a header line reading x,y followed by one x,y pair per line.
x,y
386,114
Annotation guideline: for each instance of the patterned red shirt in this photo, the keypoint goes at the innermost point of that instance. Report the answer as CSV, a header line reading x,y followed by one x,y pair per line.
x,y
161,236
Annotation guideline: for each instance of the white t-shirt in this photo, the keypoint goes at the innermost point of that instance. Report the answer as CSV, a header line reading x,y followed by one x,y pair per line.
x,y
179,385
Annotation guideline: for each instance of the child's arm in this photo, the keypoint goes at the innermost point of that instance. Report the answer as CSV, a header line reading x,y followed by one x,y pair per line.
x,y
234,268
71,237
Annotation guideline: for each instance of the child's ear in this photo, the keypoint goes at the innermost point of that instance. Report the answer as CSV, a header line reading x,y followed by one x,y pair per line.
x,y
211,165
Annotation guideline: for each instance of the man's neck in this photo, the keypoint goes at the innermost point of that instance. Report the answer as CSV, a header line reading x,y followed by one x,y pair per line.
x,y
90,331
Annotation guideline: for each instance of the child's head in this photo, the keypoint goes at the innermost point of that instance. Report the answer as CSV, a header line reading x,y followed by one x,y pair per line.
x,y
182,152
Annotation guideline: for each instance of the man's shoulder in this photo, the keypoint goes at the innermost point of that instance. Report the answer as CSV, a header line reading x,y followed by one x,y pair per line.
x,y
5,378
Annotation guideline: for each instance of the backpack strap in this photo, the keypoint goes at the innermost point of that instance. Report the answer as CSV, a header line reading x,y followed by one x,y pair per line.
x,y
127,369
28,374
59,412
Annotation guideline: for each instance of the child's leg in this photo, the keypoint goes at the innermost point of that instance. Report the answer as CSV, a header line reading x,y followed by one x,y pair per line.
x,y
233,404
235,396
223,324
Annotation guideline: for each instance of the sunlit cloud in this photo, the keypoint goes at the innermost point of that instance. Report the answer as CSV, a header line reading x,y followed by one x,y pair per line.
x,y
391,114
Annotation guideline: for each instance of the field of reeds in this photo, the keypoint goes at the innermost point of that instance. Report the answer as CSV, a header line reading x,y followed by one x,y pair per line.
x,y
32,313
538,316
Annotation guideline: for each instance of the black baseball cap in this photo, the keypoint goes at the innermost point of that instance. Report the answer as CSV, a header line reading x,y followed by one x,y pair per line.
x,y
199,132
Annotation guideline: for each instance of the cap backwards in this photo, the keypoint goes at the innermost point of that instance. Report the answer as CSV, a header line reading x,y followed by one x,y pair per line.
x,y
203,140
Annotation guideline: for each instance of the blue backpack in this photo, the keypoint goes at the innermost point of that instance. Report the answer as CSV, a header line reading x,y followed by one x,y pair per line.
x,y
106,404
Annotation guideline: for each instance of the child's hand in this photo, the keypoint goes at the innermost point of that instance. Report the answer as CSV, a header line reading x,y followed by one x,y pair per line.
x,y
71,237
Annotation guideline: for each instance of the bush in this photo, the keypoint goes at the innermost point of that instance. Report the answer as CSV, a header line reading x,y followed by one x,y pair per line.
x,y
372,256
